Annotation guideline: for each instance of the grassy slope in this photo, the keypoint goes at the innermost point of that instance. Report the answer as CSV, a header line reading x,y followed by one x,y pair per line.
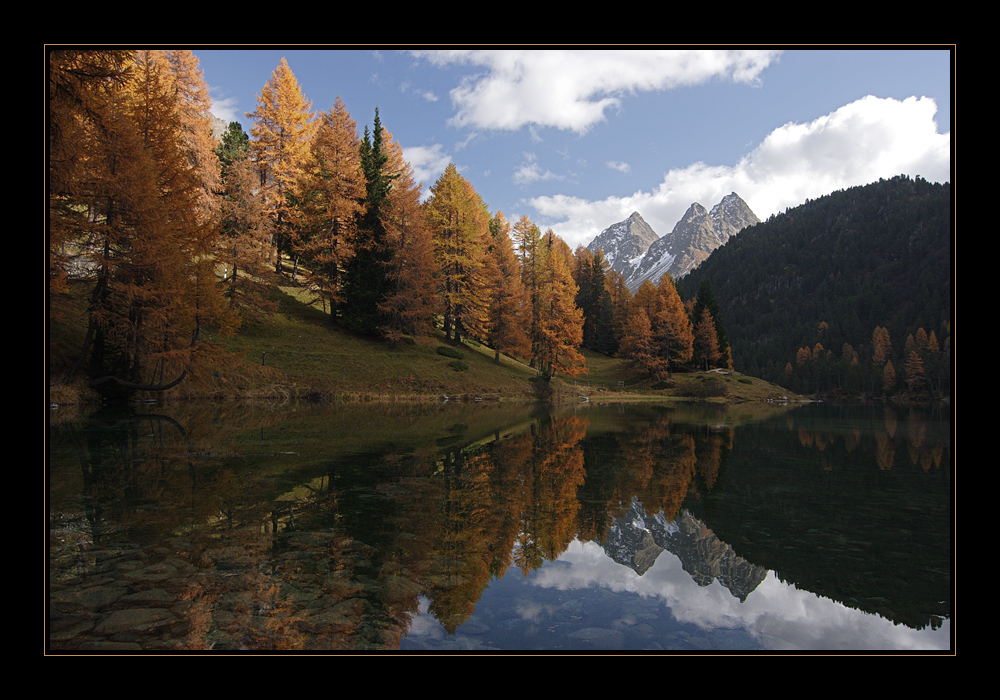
x,y
297,352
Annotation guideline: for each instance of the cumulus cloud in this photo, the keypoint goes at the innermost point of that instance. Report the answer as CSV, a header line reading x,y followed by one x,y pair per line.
x,y
854,145
574,89
428,162
225,108
619,166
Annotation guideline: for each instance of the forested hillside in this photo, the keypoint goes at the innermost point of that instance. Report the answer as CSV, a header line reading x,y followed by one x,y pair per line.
x,y
171,235
826,295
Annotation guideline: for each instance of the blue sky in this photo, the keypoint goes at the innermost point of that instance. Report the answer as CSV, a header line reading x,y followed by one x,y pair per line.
x,y
579,139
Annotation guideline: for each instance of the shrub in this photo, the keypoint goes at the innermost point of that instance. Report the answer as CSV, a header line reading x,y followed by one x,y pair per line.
x,y
706,388
458,365
543,389
448,352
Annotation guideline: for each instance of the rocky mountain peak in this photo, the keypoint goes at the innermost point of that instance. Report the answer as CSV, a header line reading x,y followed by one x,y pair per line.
x,y
624,242
693,239
638,538
732,215
695,211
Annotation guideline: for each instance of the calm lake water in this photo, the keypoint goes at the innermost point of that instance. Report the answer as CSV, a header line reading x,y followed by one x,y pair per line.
x,y
490,528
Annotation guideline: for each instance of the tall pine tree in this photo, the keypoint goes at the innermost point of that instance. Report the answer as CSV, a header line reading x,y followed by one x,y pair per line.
x,y
366,280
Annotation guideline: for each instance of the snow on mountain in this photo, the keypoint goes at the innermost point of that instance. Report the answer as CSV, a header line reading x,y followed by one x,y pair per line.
x,y
624,242
635,250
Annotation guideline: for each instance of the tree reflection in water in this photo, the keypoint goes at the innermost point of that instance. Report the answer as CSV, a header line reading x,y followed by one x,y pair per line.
x,y
305,528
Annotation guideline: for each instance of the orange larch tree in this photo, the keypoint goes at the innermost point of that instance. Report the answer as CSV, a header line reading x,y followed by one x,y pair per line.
x,y
84,88
621,300
283,128
244,243
528,242
647,317
881,346
672,330
508,307
329,193
705,339
460,222
194,111
561,321
150,231
637,340
412,300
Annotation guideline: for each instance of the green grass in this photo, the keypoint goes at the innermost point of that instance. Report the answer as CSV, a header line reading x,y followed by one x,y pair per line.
x,y
298,353
321,359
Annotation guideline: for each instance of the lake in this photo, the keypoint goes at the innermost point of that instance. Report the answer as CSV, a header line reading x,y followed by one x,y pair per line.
x,y
496,528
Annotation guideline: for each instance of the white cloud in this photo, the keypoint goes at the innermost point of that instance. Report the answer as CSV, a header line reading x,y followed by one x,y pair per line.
x,y
619,166
427,95
854,145
574,89
428,162
529,171
775,613
225,108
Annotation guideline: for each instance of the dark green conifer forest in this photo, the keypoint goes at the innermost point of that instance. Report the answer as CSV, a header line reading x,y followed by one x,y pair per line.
x,y
802,293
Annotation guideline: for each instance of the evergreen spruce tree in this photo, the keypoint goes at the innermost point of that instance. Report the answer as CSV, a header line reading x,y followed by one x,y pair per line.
x,y
366,283
234,145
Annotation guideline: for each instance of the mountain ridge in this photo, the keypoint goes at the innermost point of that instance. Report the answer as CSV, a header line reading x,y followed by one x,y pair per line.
x,y
624,241
632,248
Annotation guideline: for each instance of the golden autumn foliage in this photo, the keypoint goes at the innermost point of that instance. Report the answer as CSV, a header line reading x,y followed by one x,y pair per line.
x,y
657,333
329,192
637,340
133,196
183,232
508,310
282,131
244,246
705,339
881,346
528,241
460,223
560,320
412,300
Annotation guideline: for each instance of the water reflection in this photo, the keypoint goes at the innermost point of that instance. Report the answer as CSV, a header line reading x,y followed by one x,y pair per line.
x,y
426,527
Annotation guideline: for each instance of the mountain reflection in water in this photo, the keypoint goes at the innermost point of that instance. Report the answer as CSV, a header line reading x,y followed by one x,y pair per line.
x,y
301,527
